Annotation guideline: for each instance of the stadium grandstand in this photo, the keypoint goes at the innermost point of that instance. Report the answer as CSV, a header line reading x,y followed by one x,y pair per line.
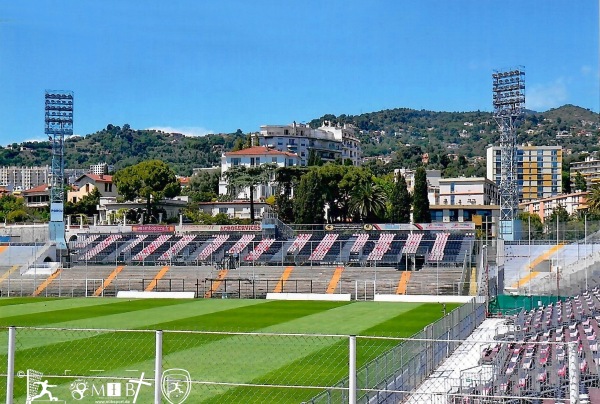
x,y
251,260
530,335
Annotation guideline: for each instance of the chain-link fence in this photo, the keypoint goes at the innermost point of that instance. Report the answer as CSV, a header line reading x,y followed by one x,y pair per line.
x,y
117,366
129,366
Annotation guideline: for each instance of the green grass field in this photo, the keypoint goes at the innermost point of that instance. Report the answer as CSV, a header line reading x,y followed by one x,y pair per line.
x,y
275,360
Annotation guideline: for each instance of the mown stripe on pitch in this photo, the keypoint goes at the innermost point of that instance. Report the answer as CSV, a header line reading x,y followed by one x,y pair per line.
x,y
87,350
47,304
12,301
71,314
140,319
316,371
126,351
250,318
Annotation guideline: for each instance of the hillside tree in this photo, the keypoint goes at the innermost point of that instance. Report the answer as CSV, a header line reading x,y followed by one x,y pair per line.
x,y
241,177
150,180
309,203
421,213
400,201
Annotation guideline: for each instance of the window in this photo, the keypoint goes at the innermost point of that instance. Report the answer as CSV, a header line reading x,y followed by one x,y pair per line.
x,y
223,210
273,159
235,161
437,216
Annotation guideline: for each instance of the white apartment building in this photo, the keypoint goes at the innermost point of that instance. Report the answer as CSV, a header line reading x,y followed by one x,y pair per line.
x,y
329,141
538,170
255,156
468,191
23,178
99,169
467,200
589,169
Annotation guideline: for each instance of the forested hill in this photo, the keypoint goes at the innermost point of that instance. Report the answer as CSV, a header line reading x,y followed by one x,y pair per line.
x,y
123,146
404,132
468,133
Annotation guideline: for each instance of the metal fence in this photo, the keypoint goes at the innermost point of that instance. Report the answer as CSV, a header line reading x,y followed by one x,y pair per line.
x,y
143,366
137,366
235,287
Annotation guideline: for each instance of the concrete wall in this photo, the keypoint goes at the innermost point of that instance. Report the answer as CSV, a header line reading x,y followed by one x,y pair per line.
x,y
28,233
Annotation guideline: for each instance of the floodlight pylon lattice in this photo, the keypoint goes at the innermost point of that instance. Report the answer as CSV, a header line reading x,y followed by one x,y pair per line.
x,y
509,102
58,124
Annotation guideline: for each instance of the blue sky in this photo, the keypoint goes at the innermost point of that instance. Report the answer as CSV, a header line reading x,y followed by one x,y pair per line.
x,y
216,66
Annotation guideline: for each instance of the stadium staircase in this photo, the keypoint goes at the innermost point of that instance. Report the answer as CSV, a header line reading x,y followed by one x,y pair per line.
x,y
336,252
280,252
347,243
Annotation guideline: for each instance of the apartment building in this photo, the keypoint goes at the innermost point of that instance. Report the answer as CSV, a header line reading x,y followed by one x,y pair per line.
x,y
330,142
589,169
22,178
255,156
538,170
544,208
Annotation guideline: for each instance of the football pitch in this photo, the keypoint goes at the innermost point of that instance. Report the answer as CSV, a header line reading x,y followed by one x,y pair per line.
x,y
242,351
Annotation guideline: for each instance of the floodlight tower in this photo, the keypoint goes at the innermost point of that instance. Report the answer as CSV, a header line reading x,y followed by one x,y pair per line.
x,y
509,102
59,123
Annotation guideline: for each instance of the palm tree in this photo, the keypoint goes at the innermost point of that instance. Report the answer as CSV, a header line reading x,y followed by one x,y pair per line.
x,y
593,199
367,201
241,177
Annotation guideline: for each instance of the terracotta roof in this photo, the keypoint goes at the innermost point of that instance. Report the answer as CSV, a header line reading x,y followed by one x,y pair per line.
x,y
184,180
39,188
100,178
96,178
260,151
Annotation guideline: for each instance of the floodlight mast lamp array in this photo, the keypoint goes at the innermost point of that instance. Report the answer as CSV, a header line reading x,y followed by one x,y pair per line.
x,y
509,102
58,124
